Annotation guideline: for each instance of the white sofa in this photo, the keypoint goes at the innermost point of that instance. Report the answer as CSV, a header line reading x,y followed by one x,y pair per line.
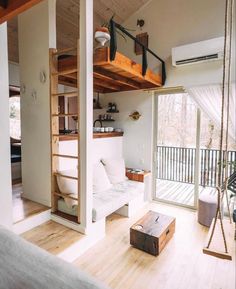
x,y
113,192
124,198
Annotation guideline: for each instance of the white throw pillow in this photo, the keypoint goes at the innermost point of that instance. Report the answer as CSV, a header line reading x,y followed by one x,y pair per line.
x,y
68,186
115,169
100,179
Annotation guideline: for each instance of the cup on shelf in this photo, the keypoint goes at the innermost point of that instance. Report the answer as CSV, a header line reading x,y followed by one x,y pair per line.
x,y
102,129
106,129
110,129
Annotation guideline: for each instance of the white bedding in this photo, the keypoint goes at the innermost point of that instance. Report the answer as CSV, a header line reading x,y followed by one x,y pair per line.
x,y
25,266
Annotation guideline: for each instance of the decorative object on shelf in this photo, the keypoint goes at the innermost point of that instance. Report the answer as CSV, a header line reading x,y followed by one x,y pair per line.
x,y
102,35
96,103
112,108
105,117
135,115
142,38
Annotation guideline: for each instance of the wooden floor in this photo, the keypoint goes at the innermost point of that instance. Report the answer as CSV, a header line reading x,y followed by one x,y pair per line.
x,y
52,237
181,265
180,193
23,208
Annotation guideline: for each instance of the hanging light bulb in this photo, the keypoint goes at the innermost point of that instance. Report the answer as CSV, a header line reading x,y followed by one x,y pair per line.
x,y
102,35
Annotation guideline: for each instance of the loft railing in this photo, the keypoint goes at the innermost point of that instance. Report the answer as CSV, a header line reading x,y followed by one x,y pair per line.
x,y
178,164
113,48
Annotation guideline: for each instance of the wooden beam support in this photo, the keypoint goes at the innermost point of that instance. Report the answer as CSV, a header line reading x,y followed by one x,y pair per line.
x,y
3,3
15,7
118,78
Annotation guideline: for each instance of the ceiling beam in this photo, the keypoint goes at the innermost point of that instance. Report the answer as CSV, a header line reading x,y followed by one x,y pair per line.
x,y
15,7
3,3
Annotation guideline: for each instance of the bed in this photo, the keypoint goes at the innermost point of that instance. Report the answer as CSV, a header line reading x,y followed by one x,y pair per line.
x,y
25,266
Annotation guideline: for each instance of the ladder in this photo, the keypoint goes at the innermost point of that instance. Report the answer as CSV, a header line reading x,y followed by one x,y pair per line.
x,y
55,115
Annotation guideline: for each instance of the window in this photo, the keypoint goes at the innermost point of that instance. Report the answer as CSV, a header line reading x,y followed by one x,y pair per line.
x,y
15,123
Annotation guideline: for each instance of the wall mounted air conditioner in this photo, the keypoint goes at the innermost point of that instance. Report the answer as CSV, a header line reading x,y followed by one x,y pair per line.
x,y
199,52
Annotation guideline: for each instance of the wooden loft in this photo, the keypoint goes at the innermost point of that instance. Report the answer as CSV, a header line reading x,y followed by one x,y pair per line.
x,y
121,74
112,71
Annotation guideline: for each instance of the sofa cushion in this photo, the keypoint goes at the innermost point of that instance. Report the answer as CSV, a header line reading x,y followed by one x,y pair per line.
x,y
107,202
100,179
115,169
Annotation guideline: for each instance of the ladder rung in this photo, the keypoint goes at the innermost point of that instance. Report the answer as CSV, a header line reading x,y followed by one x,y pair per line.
x,y
66,177
66,50
68,94
66,196
65,156
66,135
64,114
65,72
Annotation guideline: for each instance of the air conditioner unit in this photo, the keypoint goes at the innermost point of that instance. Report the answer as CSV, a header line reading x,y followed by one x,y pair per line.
x,y
199,52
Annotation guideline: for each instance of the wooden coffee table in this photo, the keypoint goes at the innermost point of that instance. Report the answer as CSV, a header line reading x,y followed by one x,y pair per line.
x,y
152,232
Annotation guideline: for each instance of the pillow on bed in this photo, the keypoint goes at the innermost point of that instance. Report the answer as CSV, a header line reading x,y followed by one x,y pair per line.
x,y
100,179
115,169
68,186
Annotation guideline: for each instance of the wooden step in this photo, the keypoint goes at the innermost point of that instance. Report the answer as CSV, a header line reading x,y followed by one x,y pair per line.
x,y
64,114
66,50
65,196
65,72
68,94
65,156
66,135
65,176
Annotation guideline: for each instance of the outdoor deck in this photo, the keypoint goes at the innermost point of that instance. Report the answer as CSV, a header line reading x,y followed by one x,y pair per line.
x,y
181,193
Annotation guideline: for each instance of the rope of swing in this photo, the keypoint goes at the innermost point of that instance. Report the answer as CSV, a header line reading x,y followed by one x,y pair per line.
x,y
224,165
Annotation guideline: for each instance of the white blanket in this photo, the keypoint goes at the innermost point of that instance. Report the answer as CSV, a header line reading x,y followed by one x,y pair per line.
x,y
25,266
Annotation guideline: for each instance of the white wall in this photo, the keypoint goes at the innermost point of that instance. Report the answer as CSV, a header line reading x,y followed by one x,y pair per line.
x,y
14,74
101,148
5,166
137,138
37,28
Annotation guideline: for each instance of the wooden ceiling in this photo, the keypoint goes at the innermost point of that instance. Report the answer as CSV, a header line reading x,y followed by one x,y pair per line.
x,y
68,20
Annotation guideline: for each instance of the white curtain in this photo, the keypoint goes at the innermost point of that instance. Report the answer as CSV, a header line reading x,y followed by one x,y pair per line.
x,y
208,98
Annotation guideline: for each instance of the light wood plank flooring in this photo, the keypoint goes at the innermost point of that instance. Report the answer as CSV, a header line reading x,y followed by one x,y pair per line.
x,y
23,208
181,265
52,237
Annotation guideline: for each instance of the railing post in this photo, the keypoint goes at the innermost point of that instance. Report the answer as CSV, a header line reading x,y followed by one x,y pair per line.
x,y
144,62
113,41
197,159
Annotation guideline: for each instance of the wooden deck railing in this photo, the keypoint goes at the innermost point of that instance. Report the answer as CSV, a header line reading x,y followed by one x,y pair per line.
x,y
178,164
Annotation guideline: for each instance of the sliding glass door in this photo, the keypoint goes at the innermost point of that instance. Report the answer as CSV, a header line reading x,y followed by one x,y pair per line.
x,y
176,156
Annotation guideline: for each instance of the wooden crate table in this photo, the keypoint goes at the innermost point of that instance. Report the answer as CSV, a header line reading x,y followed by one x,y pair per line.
x,y
152,232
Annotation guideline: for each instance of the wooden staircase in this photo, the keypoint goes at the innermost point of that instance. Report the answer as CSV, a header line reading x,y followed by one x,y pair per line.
x,y
55,135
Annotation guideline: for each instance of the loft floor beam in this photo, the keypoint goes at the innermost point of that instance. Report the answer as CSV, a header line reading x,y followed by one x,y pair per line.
x,y
11,8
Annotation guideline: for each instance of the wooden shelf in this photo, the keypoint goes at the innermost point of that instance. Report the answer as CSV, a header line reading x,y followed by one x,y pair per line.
x,y
68,137
138,177
122,74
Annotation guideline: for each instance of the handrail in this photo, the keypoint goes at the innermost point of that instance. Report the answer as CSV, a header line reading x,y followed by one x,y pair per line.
x,y
113,48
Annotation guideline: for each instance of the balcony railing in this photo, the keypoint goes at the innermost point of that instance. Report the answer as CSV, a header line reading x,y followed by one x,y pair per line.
x,y
178,164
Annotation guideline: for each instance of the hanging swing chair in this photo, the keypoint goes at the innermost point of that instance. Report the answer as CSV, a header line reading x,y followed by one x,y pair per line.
x,y
221,230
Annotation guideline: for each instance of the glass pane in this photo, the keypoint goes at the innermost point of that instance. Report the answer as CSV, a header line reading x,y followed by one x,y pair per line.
x,y
176,138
